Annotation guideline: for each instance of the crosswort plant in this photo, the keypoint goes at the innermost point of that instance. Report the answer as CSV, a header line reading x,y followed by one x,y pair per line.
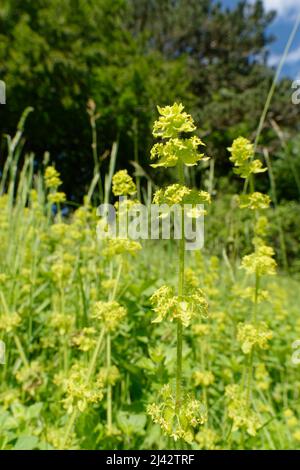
x,y
109,341
178,414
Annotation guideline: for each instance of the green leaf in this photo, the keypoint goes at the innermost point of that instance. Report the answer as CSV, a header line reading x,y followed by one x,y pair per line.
x,y
34,410
26,443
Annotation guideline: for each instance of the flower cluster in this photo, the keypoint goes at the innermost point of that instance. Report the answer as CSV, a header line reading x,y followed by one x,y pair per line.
x,y
250,335
9,321
248,293
262,377
201,329
261,226
56,437
242,415
254,201
122,184
62,323
170,125
207,439
179,423
179,194
109,375
177,150
52,181
62,268
173,121
261,261
203,378
121,246
57,198
119,243
79,393
31,377
52,178
110,313
242,155
84,340
290,418
185,307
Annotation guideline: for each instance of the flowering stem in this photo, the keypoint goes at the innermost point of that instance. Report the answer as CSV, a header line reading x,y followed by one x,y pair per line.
x,y
180,293
250,368
109,389
203,367
71,423
179,364
108,354
65,339
250,372
74,415
257,282
94,358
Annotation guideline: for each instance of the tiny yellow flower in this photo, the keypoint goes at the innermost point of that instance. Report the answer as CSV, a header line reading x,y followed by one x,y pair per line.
x,y
57,198
122,184
52,177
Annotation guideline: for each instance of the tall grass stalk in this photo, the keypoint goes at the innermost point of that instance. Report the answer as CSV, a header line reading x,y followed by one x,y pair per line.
x,y
275,80
278,218
273,88
91,109
135,130
112,166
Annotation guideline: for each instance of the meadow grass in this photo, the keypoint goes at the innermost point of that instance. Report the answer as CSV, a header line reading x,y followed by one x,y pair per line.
x,y
84,359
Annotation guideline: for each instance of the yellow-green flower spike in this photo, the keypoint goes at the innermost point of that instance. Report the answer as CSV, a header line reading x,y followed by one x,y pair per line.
x,y
172,123
122,184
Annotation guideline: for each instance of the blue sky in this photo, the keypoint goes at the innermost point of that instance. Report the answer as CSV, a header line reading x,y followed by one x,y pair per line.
x,y
287,11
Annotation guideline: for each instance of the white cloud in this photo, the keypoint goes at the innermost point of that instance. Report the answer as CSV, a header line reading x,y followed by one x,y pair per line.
x,y
286,9
283,7
292,58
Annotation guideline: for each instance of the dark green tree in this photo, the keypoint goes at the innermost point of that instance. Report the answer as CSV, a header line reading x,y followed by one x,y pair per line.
x,y
55,55
129,55
226,52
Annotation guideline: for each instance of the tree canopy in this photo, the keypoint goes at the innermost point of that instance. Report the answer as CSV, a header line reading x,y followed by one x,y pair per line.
x,y
129,56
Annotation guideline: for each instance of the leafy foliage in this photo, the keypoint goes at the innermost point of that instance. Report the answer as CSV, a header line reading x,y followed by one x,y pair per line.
x,y
128,55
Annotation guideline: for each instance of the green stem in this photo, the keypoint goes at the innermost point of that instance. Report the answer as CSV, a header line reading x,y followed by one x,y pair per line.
x,y
257,283
95,355
136,156
108,352
203,367
74,415
179,364
65,339
251,357
21,350
249,381
95,156
109,388
181,256
69,428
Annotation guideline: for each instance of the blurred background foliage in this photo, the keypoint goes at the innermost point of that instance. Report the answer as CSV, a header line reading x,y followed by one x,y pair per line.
x,y
130,55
